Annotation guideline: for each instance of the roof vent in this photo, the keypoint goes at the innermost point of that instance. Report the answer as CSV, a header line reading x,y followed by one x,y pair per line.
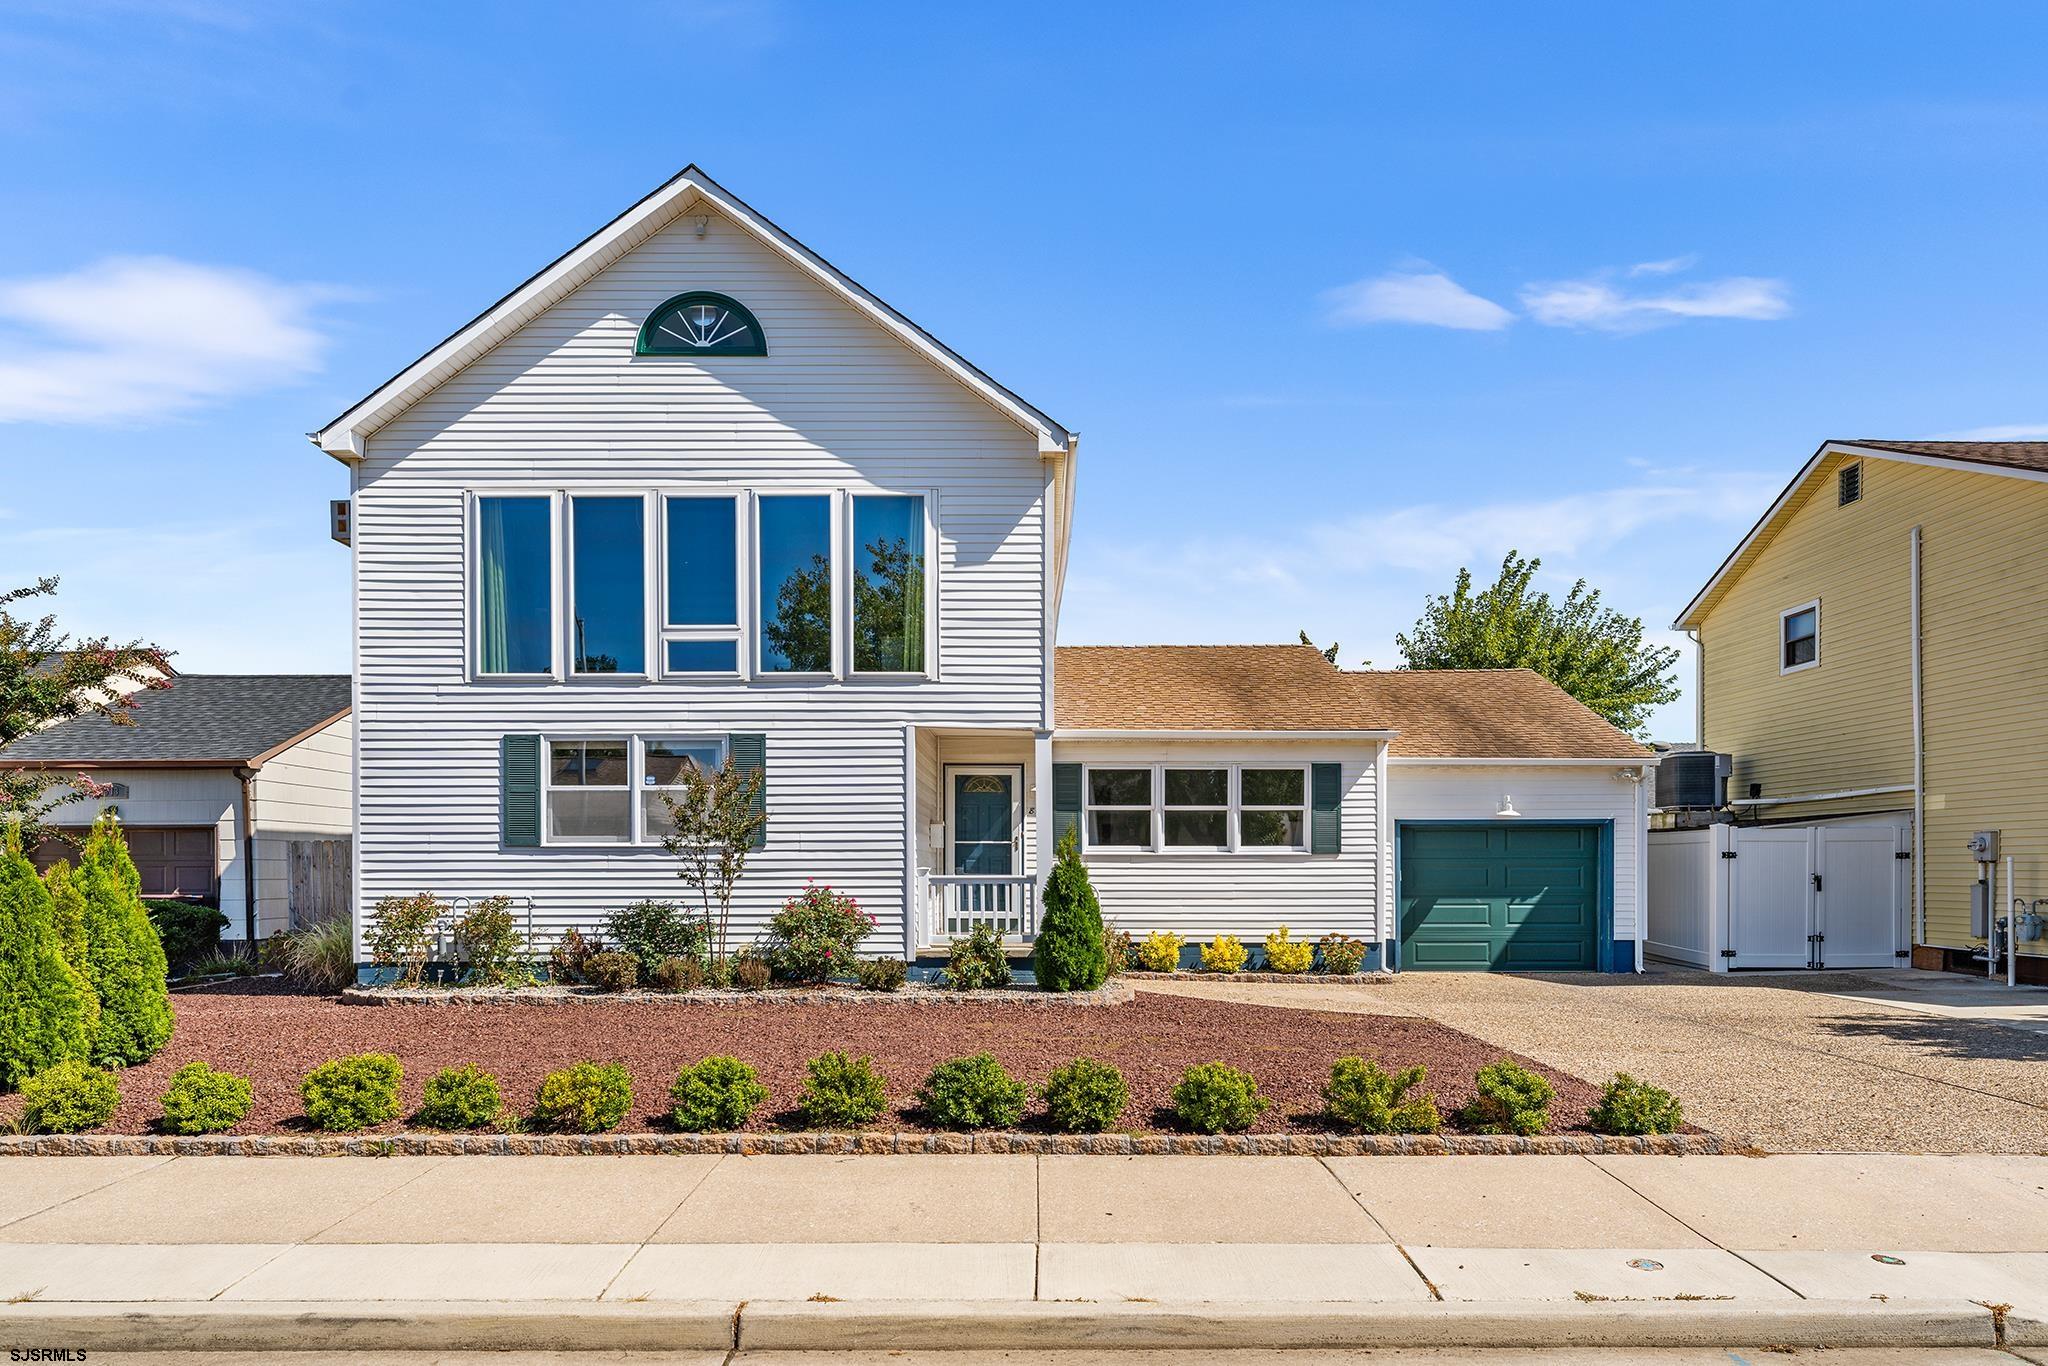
x,y
1848,484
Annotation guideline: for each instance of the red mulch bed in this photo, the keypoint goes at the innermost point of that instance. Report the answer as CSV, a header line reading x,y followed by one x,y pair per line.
x,y
274,1038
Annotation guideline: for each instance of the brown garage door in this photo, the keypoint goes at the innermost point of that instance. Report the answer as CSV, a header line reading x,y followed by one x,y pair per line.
x,y
174,860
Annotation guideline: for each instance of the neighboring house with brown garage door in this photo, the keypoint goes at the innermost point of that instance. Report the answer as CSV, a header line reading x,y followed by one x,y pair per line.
x,y
233,789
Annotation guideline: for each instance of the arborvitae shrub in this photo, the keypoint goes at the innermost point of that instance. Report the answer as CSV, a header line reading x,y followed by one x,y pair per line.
x,y
1069,954
43,1000
124,958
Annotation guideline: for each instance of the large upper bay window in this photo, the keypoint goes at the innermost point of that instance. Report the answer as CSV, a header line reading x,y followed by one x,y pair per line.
x,y
591,784
795,614
608,555
889,584
515,585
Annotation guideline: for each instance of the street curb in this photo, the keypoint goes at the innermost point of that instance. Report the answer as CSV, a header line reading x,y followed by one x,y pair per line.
x,y
989,1325
437,1144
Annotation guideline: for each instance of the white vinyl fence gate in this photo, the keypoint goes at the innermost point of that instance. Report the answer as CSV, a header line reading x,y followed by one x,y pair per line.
x,y
1780,896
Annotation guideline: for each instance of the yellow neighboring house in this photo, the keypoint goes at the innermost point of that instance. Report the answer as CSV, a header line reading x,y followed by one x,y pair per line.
x,y
1807,636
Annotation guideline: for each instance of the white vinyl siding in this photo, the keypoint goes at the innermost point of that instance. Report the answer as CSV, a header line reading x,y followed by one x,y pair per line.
x,y
1201,893
564,404
1461,792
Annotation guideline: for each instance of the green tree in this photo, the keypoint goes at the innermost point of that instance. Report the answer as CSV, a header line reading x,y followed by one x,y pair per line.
x,y
42,1002
1595,654
67,908
716,818
124,960
46,677
1069,954
1329,653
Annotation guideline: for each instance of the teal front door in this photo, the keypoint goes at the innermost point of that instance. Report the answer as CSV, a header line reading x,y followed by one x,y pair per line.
x,y
1506,896
983,826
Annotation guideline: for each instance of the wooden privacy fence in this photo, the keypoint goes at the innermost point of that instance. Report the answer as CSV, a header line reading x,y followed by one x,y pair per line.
x,y
319,881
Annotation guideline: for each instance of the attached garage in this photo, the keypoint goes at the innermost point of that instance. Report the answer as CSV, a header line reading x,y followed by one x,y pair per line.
x,y
172,860
1478,896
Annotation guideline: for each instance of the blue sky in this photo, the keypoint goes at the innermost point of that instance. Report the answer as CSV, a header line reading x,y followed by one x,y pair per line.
x,y
1340,297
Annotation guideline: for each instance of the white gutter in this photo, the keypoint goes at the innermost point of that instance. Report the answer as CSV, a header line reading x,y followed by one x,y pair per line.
x,y
1362,736
1842,795
1919,763
1650,760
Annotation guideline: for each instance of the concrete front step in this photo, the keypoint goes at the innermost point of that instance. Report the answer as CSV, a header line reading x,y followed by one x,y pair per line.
x,y
956,1325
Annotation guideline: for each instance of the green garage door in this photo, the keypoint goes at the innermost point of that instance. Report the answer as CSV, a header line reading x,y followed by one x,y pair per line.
x,y
1519,897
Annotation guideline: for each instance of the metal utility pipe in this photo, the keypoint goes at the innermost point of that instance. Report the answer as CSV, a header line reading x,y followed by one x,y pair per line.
x,y
248,777
2012,931
1919,764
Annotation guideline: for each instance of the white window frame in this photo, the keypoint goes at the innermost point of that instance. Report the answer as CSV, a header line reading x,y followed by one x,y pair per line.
x,y
842,597
1784,617
1239,807
472,587
1227,808
929,504
1235,811
566,641
636,782
736,633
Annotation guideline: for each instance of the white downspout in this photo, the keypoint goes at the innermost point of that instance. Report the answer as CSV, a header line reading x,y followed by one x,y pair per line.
x,y
1642,862
1919,764
1384,882
2012,931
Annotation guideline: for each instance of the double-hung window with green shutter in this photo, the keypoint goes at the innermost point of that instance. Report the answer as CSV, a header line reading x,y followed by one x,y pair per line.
x,y
609,789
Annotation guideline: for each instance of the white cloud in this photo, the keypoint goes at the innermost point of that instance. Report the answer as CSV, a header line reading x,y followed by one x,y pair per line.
x,y
2017,431
1426,297
1594,302
134,338
1670,265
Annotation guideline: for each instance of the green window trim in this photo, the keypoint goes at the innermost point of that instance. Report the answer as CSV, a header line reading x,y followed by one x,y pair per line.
x,y
657,338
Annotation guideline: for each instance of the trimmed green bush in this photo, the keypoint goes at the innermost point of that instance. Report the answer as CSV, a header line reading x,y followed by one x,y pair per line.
x,y
1511,1100
974,1092
69,1097
1629,1106
1366,1097
881,974
43,1000
612,971
187,930
654,930
1215,1098
465,1097
817,934
1085,1096
841,1091
203,1101
1159,951
977,961
676,974
352,1093
586,1098
124,959
1069,954
717,1094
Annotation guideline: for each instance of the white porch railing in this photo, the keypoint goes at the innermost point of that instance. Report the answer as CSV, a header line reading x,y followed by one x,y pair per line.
x,y
954,905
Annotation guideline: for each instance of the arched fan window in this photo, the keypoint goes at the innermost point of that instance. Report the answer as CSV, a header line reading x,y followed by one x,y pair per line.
x,y
701,323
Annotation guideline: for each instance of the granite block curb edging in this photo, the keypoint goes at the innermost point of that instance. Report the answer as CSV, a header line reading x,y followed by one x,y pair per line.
x,y
1110,993
1301,979
429,1144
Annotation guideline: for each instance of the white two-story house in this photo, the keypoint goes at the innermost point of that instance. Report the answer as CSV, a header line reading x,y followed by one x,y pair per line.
x,y
690,495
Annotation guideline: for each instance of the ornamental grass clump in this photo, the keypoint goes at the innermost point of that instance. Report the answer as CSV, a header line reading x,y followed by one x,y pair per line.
x,y
972,1093
1511,1100
841,1091
465,1097
1159,951
43,999
203,1101
1215,1098
1633,1107
352,1093
585,1098
1224,954
69,1097
321,957
1342,955
1364,1096
1287,954
1085,1096
717,1094
816,935
1069,954
124,959
977,961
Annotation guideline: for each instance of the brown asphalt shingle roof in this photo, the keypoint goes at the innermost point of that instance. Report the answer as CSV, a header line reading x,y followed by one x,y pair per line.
x,y
1450,713
2017,455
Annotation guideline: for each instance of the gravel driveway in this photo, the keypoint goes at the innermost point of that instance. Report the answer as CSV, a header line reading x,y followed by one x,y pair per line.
x,y
1789,1060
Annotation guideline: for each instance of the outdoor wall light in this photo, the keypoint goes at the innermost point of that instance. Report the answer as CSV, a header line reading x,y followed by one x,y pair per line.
x,y
1507,806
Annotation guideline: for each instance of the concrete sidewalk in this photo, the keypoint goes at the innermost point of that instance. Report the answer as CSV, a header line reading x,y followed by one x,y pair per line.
x,y
1386,1245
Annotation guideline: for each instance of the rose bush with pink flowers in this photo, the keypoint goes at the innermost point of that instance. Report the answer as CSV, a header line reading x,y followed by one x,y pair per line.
x,y
817,934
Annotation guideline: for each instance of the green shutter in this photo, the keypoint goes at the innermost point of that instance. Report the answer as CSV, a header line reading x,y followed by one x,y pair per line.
x,y
519,791
1326,809
750,755
1066,802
